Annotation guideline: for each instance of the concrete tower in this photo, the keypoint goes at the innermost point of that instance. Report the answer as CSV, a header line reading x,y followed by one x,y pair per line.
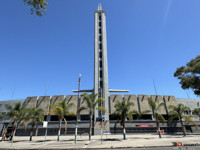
x,y
101,65
100,60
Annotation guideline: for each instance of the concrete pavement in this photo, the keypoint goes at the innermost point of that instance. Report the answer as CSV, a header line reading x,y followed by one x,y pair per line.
x,y
112,141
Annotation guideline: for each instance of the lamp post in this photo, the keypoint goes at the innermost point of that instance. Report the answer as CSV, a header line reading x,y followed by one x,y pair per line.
x,y
77,113
102,119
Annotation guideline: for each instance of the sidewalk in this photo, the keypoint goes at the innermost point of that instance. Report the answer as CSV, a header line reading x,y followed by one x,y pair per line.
x,y
112,141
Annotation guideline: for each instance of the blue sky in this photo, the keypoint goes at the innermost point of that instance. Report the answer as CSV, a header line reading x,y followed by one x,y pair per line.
x,y
146,40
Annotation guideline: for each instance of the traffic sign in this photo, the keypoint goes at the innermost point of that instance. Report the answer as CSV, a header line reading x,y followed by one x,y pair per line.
x,y
179,144
45,123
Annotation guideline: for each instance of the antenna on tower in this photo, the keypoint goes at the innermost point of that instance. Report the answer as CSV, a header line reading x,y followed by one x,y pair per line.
x,y
154,87
99,6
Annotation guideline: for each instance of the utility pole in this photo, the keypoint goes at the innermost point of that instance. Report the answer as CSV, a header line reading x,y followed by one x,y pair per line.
x,y
77,113
155,87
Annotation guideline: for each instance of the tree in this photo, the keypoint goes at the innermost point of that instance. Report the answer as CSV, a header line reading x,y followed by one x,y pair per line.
x,y
62,109
122,109
18,116
178,112
134,112
189,75
196,112
156,115
91,102
6,128
35,116
38,6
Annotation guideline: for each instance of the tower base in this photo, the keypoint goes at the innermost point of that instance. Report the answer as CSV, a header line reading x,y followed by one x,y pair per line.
x,y
103,126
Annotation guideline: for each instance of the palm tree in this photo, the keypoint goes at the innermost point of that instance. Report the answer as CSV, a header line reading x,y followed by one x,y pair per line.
x,y
178,112
156,115
62,109
139,114
134,112
22,118
91,103
122,109
17,115
35,116
4,132
196,112
6,128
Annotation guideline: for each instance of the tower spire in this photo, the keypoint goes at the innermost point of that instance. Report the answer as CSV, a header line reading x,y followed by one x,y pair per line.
x,y
99,6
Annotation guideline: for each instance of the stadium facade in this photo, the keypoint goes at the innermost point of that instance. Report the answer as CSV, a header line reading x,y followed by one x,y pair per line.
x,y
144,124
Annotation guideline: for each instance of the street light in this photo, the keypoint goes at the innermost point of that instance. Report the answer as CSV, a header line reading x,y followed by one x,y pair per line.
x,y
77,113
102,118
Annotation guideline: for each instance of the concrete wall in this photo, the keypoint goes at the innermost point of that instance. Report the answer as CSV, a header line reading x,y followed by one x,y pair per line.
x,y
188,102
83,103
113,99
43,103
11,102
143,103
31,101
192,104
159,99
57,99
140,102
169,100
72,99
134,100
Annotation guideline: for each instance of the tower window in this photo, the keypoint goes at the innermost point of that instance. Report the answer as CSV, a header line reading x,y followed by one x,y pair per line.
x,y
100,65
99,31
101,73
100,46
99,17
100,24
100,38
101,83
100,54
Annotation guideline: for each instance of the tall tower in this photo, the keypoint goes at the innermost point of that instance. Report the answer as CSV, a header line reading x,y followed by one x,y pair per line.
x,y
100,60
101,69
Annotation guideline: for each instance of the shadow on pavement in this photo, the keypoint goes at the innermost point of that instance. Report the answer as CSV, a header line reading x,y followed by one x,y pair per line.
x,y
72,140
16,141
110,140
43,140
